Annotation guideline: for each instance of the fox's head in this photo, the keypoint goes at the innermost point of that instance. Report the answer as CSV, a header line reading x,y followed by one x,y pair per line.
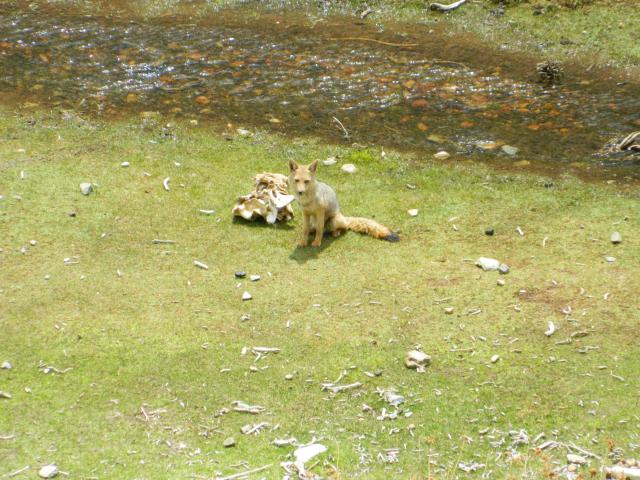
x,y
302,177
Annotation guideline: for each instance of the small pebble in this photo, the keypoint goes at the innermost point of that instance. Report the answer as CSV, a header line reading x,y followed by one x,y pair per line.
x,y
246,296
240,274
288,376
489,231
509,150
48,471
495,358
86,188
5,395
33,243
72,214
610,259
6,365
448,310
254,278
125,164
413,212
243,132
441,155
349,168
245,318
501,282
229,442
616,237
503,269
330,161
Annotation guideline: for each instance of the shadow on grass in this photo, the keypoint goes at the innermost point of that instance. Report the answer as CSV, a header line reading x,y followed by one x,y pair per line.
x,y
304,254
261,223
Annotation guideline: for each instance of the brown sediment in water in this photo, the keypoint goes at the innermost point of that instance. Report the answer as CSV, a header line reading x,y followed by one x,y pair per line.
x,y
409,87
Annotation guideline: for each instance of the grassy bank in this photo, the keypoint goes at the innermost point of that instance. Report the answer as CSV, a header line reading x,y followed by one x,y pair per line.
x,y
154,344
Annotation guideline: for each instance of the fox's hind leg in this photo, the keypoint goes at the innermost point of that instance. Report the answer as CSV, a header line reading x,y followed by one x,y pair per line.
x,y
337,225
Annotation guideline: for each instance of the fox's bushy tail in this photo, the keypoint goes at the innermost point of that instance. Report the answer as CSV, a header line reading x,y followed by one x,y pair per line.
x,y
370,227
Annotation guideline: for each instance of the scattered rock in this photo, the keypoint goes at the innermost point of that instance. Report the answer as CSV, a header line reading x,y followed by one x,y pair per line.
x,y
246,296
509,150
577,459
448,310
288,376
240,274
610,259
489,231
436,139
488,264
254,278
349,168
503,268
495,358
413,212
6,365
5,395
330,161
125,164
616,237
229,442
243,132
501,282
417,359
48,471
441,155
86,188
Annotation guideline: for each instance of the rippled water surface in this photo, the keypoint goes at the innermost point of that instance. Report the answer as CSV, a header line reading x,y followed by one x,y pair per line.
x,y
295,75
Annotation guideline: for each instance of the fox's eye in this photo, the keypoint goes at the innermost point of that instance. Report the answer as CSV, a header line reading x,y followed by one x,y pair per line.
x,y
306,181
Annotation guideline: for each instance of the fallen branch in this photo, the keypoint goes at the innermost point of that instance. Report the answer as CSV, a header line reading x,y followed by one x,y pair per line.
x,y
18,472
623,472
159,241
340,388
366,39
7,437
346,134
441,7
244,474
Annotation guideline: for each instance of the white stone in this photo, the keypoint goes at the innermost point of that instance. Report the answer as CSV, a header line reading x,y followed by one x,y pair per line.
x,y
509,150
330,161
86,188
125,164
413,212
246,296
616,237
488,264
6,365
254,278
495,358
48,471
441,155
349,168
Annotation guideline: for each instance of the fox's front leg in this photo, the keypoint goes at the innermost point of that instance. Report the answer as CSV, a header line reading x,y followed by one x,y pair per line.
x,y
319,228
306,220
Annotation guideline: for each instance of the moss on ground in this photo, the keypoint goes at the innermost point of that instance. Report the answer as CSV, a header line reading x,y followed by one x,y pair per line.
x,y
143,329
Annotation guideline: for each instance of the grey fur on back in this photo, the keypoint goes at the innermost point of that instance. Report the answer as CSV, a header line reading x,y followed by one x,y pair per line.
x,y
327,197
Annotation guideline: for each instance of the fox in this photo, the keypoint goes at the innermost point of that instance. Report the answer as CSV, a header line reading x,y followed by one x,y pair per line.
x,y
321,211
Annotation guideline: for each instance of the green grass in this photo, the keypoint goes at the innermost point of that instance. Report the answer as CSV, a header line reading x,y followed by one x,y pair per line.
x,y
161,334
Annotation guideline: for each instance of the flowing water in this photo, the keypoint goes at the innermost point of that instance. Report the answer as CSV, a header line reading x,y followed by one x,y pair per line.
x,y
420,90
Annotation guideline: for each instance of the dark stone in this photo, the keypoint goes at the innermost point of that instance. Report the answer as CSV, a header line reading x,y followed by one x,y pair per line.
x,y
489,231
240,274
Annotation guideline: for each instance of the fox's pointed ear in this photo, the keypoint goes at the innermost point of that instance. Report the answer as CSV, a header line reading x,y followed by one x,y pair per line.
x,y
313,166
293,166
